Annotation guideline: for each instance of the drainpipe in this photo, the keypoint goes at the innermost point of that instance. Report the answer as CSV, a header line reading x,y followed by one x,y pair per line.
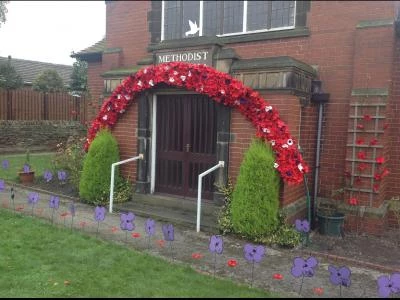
x,y
318,98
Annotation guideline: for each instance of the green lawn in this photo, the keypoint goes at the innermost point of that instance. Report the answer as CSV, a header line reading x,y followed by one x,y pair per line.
x,y
40,260
38,161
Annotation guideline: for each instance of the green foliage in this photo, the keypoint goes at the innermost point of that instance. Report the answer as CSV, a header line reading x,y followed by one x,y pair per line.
x,y
94,186
255,199
224,215
9,78
284,235
69,157
48,81
123,191
79,76
3,11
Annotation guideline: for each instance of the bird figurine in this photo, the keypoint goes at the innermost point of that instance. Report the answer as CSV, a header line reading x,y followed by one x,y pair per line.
x,y
193,28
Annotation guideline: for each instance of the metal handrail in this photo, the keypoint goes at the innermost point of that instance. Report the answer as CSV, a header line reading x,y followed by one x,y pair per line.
x,y
220,164
140,156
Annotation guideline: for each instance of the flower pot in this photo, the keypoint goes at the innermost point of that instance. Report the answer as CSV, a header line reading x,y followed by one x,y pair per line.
x,y
26,177
331,225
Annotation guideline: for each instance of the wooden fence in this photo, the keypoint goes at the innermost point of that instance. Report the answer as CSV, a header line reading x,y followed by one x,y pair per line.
x,y
25,104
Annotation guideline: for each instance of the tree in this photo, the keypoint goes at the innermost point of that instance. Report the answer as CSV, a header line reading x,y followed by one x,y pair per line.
x,y
48,81
3,11
9,78
79,77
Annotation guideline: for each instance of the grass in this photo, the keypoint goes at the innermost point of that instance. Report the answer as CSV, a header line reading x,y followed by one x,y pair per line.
x,y
40,260
38,161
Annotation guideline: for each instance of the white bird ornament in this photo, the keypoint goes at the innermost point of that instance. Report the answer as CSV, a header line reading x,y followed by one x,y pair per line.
x,y
193,28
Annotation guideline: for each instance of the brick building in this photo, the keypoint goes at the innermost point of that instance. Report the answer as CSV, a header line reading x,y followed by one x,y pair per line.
x,y
331,68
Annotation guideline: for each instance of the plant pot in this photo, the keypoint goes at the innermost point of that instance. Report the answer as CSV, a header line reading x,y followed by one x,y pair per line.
x,y
331,225
26,177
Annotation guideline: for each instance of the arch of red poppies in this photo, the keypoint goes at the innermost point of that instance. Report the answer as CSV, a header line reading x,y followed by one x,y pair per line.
x,y
220,87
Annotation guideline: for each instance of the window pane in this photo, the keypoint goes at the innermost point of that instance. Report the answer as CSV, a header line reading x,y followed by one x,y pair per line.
x,y
282,14
211,19
233,16
191,11
257,13
172,20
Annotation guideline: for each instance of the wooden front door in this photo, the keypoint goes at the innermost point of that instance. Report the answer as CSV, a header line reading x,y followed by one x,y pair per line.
x,y
186,144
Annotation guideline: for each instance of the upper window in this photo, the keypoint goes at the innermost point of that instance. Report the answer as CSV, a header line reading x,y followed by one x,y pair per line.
x,y
181,19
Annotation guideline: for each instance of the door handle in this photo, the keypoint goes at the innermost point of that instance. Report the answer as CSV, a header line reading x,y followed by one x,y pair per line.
x,y
187,147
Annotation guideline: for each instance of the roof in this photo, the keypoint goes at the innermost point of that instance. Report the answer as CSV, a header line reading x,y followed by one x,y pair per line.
x,y
96,49
29,69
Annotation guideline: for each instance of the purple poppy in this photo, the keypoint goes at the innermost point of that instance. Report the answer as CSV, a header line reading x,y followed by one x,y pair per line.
x,y
47,175
54,202
62,175
127,221
302,226
388,285
2,185
150,227
26,168
72,209
5,164
168,232
303,267
99,213
340,276
33,198
216,244
254,253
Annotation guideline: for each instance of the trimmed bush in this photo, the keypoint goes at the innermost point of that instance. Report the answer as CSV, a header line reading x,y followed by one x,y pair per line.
x,y
255,199
94,185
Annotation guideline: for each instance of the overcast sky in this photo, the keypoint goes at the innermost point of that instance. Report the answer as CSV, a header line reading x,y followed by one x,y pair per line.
x,y
49,31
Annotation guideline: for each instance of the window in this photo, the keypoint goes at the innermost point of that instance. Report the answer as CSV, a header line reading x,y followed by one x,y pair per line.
x,y
181,19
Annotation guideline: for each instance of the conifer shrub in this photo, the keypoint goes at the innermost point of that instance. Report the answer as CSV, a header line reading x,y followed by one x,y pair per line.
x,y
255,198
94,185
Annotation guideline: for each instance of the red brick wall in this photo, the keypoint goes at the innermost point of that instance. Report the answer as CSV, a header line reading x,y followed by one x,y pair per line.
x,y
96,85
126,134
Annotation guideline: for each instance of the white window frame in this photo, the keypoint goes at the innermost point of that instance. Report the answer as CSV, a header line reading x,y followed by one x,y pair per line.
x,y
244,30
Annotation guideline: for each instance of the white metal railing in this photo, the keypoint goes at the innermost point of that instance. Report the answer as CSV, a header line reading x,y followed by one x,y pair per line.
x,y
220,164
140,156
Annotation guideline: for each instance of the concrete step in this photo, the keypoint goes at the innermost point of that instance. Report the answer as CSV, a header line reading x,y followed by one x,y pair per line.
x,y
173,210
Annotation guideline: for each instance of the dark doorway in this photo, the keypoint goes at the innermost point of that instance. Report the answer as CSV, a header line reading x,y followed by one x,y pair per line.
x,y
186,144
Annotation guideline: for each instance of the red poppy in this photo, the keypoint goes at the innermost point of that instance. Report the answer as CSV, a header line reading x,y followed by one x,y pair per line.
x,y
318,291
385,172
380,160
377,176
357,180
161,243
135,235
360,141
361,155
232,263
353,201
360,126
197,255
373,142
64,214
114,229
367,117
362,167
347,173
20,207
375,187
277,276
385,126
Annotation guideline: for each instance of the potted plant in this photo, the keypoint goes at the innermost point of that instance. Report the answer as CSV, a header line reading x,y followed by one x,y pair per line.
x,y
330,219
27,175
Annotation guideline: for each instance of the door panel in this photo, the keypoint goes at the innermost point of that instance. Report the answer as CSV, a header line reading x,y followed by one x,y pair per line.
x,y
186,144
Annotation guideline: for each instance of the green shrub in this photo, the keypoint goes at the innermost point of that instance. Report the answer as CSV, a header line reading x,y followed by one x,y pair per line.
x,y
94,186
123,191
255,198
224,215
70,157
